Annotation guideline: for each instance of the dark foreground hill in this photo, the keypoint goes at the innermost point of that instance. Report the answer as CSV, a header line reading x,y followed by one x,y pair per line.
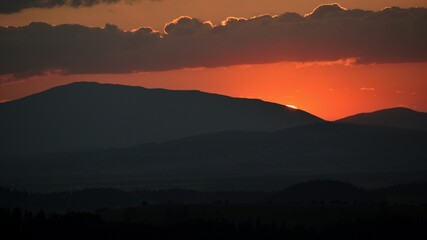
x,y
238,160
315,191
221,221
394,117
90,115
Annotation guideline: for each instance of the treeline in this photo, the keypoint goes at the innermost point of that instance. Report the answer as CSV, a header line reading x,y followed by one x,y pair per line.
x,y
318,191
92,199
19,224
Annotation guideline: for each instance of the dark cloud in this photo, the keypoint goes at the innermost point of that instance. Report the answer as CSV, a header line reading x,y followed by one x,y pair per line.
x,y
187,25
329,33
14,6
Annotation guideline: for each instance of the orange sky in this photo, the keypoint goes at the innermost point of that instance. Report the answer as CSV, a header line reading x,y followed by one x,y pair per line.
x,y
329,90
156,13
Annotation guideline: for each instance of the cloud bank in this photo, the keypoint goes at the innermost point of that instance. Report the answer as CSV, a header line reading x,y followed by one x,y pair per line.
x,y
14,6
329,33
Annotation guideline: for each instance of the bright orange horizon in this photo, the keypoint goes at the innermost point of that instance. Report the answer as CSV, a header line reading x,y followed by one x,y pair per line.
x,y
330,90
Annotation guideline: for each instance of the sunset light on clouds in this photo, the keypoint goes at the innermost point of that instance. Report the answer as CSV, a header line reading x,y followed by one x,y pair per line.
x,y
330,60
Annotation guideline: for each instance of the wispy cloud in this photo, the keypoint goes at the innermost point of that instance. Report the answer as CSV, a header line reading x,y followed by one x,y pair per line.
x,y
14,6
367,89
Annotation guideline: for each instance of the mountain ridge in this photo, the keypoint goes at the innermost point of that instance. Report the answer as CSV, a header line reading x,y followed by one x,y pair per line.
x,y
347,152
89,115
393,117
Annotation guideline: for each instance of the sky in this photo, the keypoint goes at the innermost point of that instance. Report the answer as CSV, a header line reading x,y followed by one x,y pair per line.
x,y
332,60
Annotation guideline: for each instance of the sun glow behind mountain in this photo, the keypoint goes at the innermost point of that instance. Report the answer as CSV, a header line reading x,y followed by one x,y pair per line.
x,y
311,87
291,106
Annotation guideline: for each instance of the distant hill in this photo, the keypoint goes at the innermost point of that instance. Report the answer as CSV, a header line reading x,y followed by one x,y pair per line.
x,y
322,191
329,191
89,115
393,117
235,159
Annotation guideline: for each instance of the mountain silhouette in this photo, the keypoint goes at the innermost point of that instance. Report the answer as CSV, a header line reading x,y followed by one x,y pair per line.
x,y
348,152
323,191
392,117
89,115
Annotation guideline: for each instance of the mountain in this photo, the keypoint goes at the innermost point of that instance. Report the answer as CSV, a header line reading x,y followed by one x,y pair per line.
x,y
335,191
89,115
392,117
360,154
323,191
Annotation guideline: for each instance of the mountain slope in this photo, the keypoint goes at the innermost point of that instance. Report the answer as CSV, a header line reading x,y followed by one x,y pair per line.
x,y
321,190
345,151
91,115
392,117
